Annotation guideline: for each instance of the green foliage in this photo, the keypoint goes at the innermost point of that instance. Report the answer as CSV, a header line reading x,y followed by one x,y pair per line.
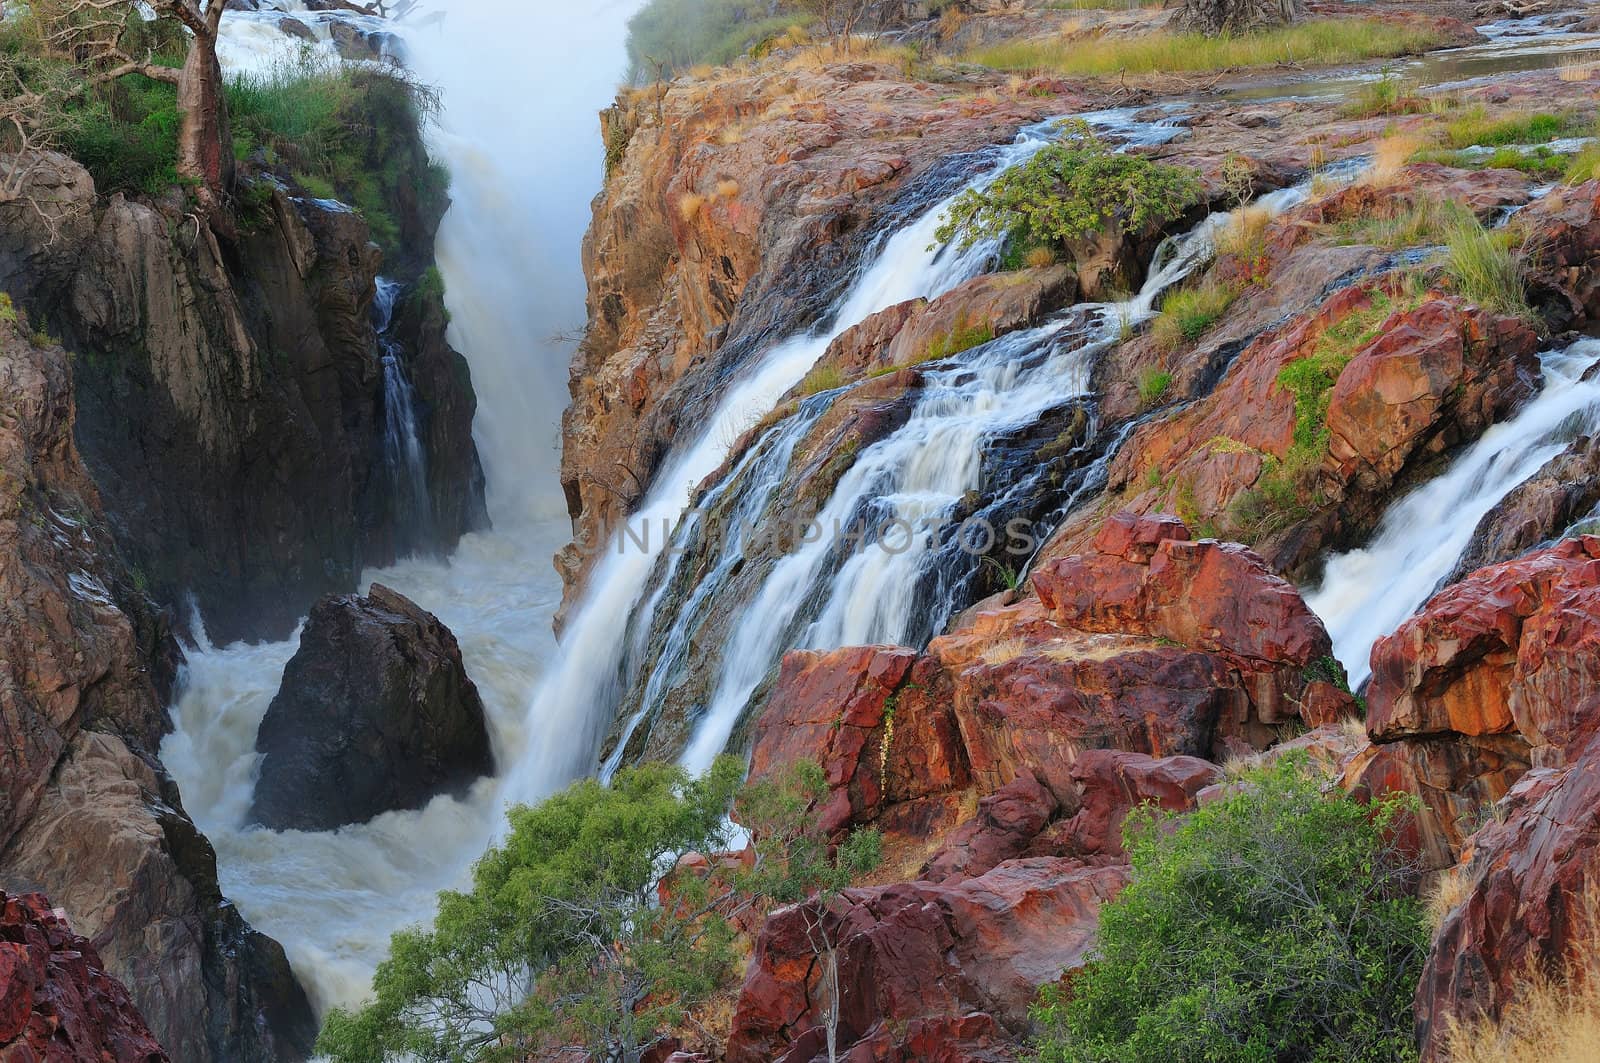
x,y
1390,94
1483,265
1275,923
344,133
824,376
563,939
1476,128
560,935
8,309
1189,313
1153,385
1423,223
670,36
1069,190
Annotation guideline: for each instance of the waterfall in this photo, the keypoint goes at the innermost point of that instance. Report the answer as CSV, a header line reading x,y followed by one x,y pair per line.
x,y
402,442
508,253
822,596
1368,593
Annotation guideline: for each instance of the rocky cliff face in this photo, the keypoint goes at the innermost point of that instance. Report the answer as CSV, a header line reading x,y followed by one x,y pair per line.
x,y
733,213
231,392
86,813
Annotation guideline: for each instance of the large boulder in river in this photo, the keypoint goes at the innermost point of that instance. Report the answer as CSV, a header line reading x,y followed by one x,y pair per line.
x,y
375,713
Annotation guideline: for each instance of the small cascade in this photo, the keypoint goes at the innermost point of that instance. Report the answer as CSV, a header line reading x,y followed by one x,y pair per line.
x,y
861,589
1368,593
402,440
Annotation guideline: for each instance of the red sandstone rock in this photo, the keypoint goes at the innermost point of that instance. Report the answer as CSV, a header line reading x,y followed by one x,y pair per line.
x,y
1007,822
1531,872
57,1004
1114,783
950,968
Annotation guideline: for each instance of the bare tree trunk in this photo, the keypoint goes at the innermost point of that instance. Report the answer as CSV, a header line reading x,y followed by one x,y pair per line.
x,y
1235,16
205,152
830,978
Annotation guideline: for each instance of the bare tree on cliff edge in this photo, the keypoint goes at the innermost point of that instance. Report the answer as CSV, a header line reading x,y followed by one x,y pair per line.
x,y
94,35
1214,17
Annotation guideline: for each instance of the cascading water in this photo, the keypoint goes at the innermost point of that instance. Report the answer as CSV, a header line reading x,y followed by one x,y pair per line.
x,y
402,442
825,595
1368,593
508,253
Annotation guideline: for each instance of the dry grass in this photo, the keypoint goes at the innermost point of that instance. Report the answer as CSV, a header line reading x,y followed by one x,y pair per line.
x,y
1390,157
690,204
1005,650
1039,258
1554,1019
1321,42
1575,69
1450,888
727,189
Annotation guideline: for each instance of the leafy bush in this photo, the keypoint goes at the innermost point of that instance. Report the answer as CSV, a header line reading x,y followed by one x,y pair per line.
x,y
564,938
126,136
1069,190
1275,923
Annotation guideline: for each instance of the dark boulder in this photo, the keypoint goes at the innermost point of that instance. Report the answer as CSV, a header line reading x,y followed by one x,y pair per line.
x,y
375,713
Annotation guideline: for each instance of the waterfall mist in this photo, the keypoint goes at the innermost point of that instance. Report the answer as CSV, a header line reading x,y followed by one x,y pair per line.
x,y
520,86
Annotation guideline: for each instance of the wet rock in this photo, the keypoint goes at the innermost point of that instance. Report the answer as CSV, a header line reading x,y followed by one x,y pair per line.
x,y
1564,231
56,1001
1528,880
1495,675
376,713
44,227
733,213
86,815
1540,509
939,972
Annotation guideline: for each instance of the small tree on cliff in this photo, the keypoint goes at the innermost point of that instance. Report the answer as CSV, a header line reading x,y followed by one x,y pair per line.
x,y
105,40
1213,17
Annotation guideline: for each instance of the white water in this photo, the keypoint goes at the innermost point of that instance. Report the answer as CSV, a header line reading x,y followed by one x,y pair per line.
x,y
1368,593
402,442
918,475
581,695
518,80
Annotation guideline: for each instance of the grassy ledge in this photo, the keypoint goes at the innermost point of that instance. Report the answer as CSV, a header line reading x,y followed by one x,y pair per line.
x,y
1311,43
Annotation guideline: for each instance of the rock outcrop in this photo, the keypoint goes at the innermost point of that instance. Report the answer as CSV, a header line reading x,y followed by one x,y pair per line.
x,y
375,713
1539,510
86,814
231,393
56,1001
1000,766
732,213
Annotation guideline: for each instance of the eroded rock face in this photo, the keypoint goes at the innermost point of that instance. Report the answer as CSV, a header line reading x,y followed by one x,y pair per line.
x,y
56,1001
86,815
1495,675
1541,509
929,971
375,713
732,215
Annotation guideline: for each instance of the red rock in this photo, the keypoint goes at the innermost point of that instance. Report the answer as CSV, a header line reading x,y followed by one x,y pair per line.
x,y
56,1001
1530,873
1007,822
831,708
923,962
1513,648
1113,783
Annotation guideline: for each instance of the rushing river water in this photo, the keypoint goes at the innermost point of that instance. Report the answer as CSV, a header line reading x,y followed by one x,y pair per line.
x,y
518,132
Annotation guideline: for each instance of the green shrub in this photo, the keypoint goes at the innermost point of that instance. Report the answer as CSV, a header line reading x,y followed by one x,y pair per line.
x,y
1275,923
8,309
126,136
1070,190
